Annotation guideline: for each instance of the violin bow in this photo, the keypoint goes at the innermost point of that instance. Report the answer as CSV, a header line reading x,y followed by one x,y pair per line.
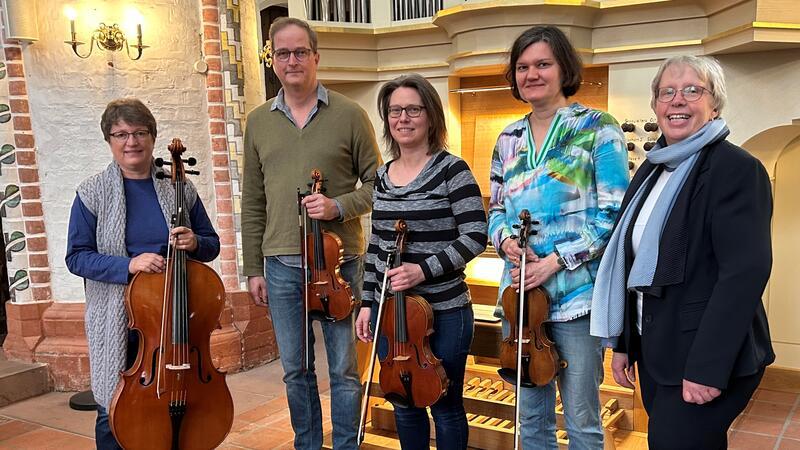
x,y
362,424
302,218
525,222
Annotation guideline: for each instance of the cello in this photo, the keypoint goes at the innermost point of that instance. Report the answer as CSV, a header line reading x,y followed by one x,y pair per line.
x,y
173,397
528,357
327,296
411,375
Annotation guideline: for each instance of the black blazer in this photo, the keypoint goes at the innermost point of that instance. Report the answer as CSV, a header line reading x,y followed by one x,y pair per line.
x,y
703,319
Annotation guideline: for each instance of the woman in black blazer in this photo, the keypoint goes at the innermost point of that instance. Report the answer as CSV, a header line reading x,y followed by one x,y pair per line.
x,y
679,287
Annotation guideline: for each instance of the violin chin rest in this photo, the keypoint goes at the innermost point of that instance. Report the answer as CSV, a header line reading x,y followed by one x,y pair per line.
x,y
398,401
510,376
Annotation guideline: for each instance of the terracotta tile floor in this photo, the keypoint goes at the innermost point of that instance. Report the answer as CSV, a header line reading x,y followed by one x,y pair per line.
x,y
771,421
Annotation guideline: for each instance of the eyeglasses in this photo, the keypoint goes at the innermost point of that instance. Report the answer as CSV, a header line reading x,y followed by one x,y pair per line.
x,y
690,93
123,136
300,54
411,111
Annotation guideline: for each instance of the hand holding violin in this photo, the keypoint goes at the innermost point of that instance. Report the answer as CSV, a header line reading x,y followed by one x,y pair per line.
x,y
537,271
513,252
405,276
320,207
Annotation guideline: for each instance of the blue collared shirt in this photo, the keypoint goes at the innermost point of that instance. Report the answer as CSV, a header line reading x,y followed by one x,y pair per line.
x,y
280,105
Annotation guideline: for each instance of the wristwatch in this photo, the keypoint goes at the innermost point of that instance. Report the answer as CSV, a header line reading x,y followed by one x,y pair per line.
x,y
561,263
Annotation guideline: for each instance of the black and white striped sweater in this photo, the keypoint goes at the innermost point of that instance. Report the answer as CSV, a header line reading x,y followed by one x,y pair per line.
x,y
446,228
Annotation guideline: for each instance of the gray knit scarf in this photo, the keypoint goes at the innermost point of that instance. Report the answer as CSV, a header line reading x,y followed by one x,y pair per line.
x,y
106,319
610,287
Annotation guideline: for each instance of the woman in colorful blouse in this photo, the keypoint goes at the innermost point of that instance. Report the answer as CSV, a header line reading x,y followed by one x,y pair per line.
x,y
567,165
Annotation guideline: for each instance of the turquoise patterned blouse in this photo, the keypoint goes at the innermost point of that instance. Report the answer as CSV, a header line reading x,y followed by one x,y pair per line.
x,y
573,189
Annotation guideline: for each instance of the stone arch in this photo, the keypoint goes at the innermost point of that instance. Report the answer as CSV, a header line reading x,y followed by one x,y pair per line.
x,y
779,150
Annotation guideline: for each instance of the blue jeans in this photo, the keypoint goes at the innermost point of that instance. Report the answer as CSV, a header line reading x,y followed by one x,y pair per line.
x,y
103,437
450,341
579,385
285,288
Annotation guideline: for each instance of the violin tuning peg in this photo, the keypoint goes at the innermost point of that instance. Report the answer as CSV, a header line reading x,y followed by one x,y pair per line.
x,y
161,175
192,172
159,162
190,162
515,226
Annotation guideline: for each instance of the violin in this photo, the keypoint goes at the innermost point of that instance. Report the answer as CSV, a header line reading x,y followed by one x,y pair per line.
x,y
528,356
173,397
327,296
411,375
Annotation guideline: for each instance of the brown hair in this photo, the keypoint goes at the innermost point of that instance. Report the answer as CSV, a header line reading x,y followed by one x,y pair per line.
x,y
131,111
437,127
284,22
567,58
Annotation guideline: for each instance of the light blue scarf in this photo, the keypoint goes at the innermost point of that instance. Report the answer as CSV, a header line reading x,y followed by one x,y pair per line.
x,y
610,287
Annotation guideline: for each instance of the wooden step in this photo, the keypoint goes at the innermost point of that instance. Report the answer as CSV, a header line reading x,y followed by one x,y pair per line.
x,y
21,380
495,433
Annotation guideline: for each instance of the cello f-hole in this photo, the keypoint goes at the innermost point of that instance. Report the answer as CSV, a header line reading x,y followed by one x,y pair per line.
x,y
204,378
152,371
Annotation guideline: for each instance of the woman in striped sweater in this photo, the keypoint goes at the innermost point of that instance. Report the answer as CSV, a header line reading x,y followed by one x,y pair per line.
x,y
438,197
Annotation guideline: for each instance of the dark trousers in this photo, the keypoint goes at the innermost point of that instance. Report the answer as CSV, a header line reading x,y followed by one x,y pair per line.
x,y
450,342
677,425
103,437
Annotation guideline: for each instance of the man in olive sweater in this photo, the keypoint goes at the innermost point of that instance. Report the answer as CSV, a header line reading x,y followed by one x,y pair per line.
x,y
306,127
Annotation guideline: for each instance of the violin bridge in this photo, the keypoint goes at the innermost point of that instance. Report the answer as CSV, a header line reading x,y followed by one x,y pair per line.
x,y
401,358
185,366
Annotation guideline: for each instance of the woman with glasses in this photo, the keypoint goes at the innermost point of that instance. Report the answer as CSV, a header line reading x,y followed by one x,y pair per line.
x,y
120,225
681,279
568,166
440,201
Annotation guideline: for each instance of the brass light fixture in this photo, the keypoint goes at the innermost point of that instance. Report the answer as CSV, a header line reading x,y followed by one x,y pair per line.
x,y
265,56
105,37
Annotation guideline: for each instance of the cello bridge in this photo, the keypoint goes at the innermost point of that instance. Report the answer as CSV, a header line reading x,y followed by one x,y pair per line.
x,y
184,366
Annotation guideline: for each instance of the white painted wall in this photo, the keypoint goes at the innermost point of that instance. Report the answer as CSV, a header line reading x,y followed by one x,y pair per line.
x,y
763,91
68,96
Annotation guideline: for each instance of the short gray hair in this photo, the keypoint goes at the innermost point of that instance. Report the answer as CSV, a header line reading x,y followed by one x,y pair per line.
x,y
707,68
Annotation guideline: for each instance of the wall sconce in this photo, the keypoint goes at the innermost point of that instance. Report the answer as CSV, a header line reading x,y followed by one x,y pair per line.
x,y
265,56
106,37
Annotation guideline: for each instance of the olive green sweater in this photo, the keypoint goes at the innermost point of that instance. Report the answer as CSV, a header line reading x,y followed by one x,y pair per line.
x,y
279,158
